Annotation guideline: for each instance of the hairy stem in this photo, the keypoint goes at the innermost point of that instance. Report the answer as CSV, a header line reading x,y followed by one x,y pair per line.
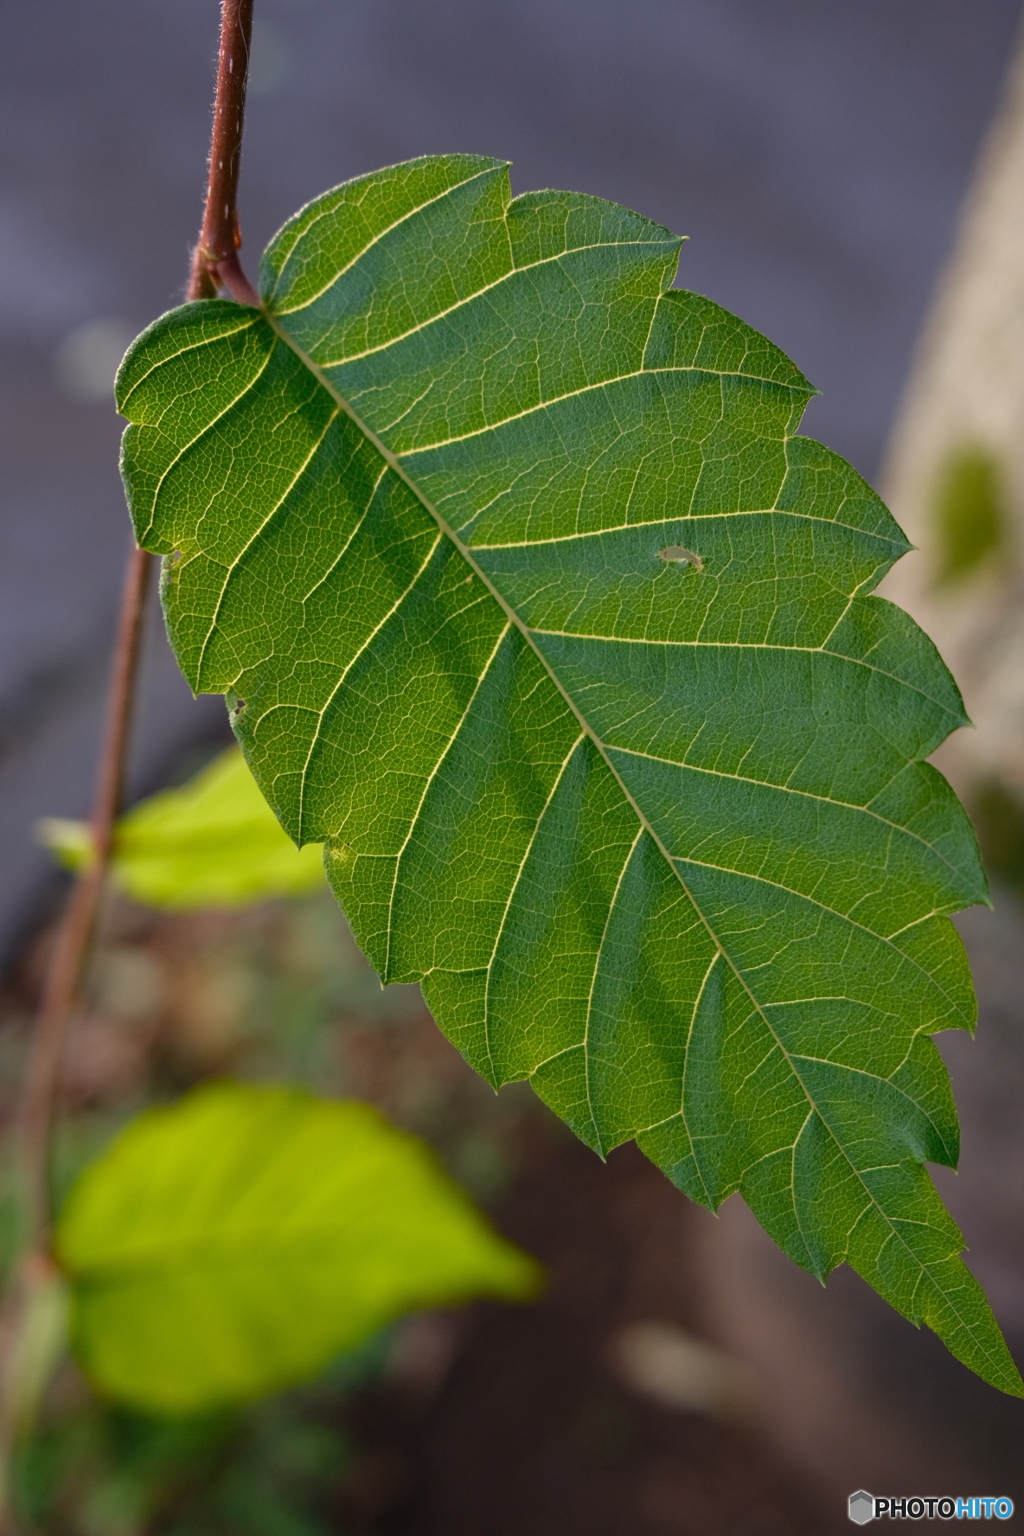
x,y
215,259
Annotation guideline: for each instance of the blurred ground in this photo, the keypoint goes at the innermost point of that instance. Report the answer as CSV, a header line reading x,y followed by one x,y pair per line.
x,y
538,1430
680,1375
601,1408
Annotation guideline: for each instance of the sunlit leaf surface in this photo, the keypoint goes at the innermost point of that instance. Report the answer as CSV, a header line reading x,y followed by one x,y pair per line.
x,y
238,1241
530,603
213,842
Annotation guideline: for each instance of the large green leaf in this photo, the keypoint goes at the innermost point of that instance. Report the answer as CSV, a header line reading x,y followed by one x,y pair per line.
x,y
213,842
529,602
238,1241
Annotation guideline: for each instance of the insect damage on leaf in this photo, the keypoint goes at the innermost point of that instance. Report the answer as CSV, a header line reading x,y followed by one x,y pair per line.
x,y
677,555
670,849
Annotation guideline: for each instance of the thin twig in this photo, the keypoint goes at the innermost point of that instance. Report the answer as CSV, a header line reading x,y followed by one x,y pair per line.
x,y
215,266
72,944
215,262
35,1274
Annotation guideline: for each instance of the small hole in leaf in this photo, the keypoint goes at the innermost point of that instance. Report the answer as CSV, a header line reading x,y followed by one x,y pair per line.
x,y
675,554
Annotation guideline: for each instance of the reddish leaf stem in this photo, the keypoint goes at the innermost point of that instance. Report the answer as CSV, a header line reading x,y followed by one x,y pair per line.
x,y
215,258
215,266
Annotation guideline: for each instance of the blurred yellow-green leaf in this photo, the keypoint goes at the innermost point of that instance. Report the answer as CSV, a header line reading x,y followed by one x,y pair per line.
x,y
235,1243
969,512
214,842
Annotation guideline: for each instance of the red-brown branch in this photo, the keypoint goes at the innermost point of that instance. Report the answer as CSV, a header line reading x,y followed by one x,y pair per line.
x,y
73,941
215,264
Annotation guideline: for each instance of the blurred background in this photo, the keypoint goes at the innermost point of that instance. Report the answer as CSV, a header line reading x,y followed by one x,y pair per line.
x,y
680,1376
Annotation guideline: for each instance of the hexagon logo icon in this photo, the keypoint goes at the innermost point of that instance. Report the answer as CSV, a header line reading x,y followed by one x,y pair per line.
x,y
862,1507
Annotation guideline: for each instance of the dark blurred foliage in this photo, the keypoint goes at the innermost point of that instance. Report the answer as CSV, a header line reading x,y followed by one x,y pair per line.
x,y
998,817
270,1470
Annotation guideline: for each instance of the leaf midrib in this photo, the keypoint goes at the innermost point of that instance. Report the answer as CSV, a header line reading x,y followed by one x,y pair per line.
x,y
160,1258
526,632
511,614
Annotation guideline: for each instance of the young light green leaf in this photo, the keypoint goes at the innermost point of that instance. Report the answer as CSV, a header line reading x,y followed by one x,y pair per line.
x,y
653,828
214,842
235,1243
69,841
